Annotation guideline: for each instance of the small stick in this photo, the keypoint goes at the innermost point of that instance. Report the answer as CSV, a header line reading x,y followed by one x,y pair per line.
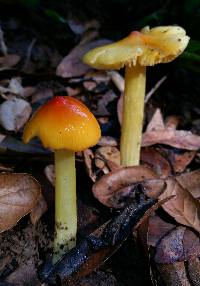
x,y
151,92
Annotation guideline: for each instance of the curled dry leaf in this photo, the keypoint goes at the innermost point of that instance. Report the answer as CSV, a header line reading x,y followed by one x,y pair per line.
x,y
179,244
19,194
14,113
107,158
113,187
156,161
194,270
184,208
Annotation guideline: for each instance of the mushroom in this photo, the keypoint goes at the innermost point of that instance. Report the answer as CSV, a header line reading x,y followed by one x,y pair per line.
x,y
65,125
135,52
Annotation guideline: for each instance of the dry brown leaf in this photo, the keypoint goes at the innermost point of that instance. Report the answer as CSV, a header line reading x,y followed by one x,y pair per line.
x,y
111,188
72,64
107,158
179,160
176,138
156,161
38,210
184,208
19,194
42,94
191,182
172,122
157,229
156,122
14,113
102,104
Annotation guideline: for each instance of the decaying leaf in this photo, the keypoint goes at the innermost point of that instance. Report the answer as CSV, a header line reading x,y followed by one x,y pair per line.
x,y
120,108
38,210
96,248
156,122
184,208
19,194
113,188
194,270
102,109
14,113
179,244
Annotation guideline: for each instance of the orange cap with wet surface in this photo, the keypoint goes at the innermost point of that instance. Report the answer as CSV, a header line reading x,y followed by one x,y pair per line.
x,y
63,123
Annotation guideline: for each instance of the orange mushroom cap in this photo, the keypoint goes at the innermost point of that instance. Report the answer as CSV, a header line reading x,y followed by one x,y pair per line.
x,y
147,48
63,123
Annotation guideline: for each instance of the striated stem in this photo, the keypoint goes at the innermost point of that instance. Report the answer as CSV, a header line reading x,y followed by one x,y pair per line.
x,y
65,203
133,110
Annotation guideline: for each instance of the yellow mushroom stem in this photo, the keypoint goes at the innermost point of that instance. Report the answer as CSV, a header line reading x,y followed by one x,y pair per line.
x,y
65,203
133,112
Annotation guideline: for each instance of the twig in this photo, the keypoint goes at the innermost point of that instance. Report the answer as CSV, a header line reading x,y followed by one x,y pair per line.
x,y
151,92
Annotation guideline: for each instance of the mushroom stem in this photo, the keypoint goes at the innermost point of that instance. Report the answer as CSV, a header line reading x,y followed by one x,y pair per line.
x,y
133,110
65,202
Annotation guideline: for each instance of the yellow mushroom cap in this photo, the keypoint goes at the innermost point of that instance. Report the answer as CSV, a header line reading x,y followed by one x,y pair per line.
x,y
147,48
63,123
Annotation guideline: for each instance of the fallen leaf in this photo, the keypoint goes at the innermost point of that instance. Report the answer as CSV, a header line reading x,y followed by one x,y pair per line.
x,y
38,210
95,248
184,208
172,121
157,229
179,244
191,182
154,159
117,79
41,94
88,159
156,122
72,64
19,194
174,274
175,138
113,188
107,158
14,113
179,159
